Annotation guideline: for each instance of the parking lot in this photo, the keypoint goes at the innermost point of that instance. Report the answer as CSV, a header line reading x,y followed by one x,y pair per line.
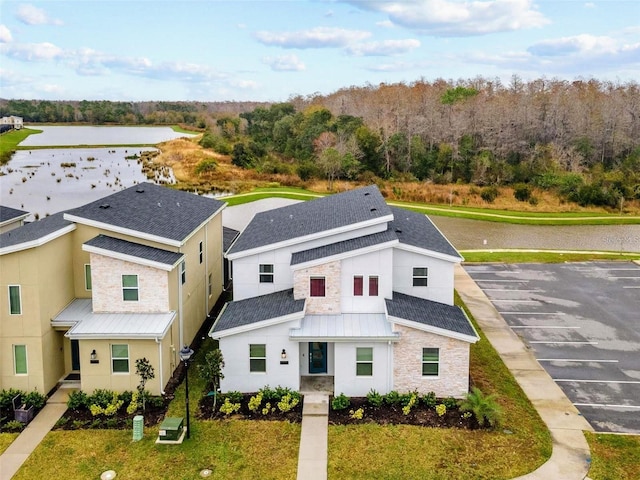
x,y
582,321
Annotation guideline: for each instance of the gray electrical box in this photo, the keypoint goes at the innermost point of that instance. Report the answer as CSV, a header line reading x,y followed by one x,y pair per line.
x,y
171,428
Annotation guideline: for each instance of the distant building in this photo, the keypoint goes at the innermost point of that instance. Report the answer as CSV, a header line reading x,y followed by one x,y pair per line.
x,y
12,120
11,218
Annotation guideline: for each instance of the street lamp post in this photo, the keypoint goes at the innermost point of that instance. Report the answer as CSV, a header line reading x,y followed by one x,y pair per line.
x,y
185,356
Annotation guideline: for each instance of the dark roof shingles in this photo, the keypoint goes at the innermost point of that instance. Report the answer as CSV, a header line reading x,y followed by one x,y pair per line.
x,y
135,249
8,213
307,218
228,236
416,229
151,209
30,232
428,312
257,309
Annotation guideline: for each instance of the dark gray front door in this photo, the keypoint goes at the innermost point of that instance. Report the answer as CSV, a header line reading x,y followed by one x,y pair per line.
x,y
75,355
317,357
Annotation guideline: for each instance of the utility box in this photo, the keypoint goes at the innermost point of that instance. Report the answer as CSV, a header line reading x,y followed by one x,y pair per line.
x,y
171,429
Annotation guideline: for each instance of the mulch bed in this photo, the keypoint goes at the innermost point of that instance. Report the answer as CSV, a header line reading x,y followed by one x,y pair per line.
x,y
207,413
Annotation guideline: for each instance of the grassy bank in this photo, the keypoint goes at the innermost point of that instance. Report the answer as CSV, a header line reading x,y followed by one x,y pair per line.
x,y
614,457
9,142
541,256
5,440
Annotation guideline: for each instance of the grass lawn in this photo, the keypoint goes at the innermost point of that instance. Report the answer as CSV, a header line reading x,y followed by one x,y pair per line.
x,y
541,257
614,457
9,142
372,451
5,440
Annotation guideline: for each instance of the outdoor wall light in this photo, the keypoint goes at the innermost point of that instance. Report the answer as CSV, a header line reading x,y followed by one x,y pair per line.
x,y
94,356
283,358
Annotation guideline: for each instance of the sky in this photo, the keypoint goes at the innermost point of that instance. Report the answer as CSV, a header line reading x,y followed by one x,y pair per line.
x,y
211,50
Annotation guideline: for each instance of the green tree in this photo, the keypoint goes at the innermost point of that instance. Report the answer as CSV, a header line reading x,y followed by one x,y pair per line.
x,y
146,372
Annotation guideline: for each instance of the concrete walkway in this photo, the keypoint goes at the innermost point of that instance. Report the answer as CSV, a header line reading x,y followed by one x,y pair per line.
x,y
18,452
570,458
312,456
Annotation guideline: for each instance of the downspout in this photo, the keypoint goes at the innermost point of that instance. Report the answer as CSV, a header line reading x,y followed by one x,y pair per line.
x,y
161,379
390,366
181,327
206,271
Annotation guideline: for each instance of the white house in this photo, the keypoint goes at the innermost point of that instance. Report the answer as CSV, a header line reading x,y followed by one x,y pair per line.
x,y
346,287
16,122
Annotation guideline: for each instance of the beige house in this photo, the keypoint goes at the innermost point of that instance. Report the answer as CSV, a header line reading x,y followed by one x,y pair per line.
x,y
90,290
15,122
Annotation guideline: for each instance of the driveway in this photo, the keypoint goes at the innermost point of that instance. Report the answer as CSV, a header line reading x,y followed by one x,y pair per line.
x,y
582,321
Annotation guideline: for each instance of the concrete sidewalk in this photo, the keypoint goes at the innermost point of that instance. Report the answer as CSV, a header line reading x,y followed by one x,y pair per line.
x,y
312,456
18,452
570,459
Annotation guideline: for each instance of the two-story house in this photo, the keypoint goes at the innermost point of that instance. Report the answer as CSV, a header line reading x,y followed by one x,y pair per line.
x,y
347,287
91,290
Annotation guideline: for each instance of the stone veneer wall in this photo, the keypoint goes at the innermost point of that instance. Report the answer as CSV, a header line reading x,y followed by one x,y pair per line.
x,y
106,282
453,378
330,303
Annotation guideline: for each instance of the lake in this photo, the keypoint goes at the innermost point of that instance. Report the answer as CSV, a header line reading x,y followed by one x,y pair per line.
x,y
53,136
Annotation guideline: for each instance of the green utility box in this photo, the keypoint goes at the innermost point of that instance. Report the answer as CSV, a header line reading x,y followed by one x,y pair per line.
x,y
171,428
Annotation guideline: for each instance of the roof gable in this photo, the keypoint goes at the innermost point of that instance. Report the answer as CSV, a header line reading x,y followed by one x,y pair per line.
x,y
34,233
125,249
8,214
417,230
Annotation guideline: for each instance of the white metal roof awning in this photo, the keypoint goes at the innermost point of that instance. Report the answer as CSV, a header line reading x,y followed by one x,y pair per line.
x,y
352,327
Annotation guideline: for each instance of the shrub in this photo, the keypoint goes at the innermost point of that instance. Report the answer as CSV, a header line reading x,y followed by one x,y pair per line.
x,y
522,192
340,402
392,398
13,426
156,401
110,409
206,165
255,402
77,400
450,402
210,369
413,399
374,398
441,409
6,397
133,403
484,407
357,414
126,397
268,393
101,397
35,400
429,400
267,409
287,403
228,408
281,392
234,396
489,194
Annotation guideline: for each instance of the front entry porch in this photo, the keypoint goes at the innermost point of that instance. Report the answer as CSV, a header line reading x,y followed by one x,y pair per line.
x,y
316,384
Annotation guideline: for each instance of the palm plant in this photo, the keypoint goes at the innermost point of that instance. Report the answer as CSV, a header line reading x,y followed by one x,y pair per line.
x,y
484,407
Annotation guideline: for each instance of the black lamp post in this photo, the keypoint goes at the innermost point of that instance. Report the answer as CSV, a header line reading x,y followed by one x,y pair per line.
x,y
185,356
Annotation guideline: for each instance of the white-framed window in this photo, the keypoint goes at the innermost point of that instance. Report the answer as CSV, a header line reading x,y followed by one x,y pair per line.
x,y
258,357
430,362
210,284
20,359
183,272
317,286
364,361
120,358
15,300
130,288
87,276
358,285
373,286
201,252
266,273
420,276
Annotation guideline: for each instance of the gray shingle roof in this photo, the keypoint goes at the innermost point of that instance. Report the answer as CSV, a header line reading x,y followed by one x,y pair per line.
x,y
135,249
418,230
8,213
228,236
257,309
428,312
30,232
151,209
307,218
343,247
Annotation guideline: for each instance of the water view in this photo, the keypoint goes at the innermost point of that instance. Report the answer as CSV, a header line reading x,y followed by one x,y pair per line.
x,y
53,136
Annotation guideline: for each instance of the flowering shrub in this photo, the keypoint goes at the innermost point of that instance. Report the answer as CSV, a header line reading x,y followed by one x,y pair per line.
x,y
287,403
267,409
255,402
340,402
410,403
357,415
228,408
441,409
110,409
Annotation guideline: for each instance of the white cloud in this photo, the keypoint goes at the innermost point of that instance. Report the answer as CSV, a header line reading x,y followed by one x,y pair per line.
x,y
31,15
579,44
285,63
319,37
32,51
383,48
454,18
589,5
385,24
244,84
5,34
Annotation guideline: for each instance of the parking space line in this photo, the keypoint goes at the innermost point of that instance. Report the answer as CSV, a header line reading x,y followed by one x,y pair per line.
x,y
532,313
623,278
501,281
605,405
507,300
575,360
634,382
541,326
630,286
565,343
510,290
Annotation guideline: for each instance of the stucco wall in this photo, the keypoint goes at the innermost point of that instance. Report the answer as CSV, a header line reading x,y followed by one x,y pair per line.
x,y
440,281
345,379
369,264
330,303
453,377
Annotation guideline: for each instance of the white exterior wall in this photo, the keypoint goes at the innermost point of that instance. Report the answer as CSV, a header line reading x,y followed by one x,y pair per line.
x,y
106,282
345,379
440,282
370,264
245,270
236,358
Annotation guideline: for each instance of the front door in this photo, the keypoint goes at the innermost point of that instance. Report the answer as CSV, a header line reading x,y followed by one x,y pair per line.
x,y
75,355
317,357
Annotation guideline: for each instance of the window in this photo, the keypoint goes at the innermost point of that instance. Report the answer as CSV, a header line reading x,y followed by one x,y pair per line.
x,y
420,276
266,273
15,302
373,286
257,357
130,288
183,272
120,358
210,285
358,283
201,254
317,286
20,359
87,276
364,361
430,361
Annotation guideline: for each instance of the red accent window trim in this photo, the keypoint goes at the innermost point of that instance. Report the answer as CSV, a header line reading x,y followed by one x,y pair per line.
x,y
358,286
373,286
317,286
